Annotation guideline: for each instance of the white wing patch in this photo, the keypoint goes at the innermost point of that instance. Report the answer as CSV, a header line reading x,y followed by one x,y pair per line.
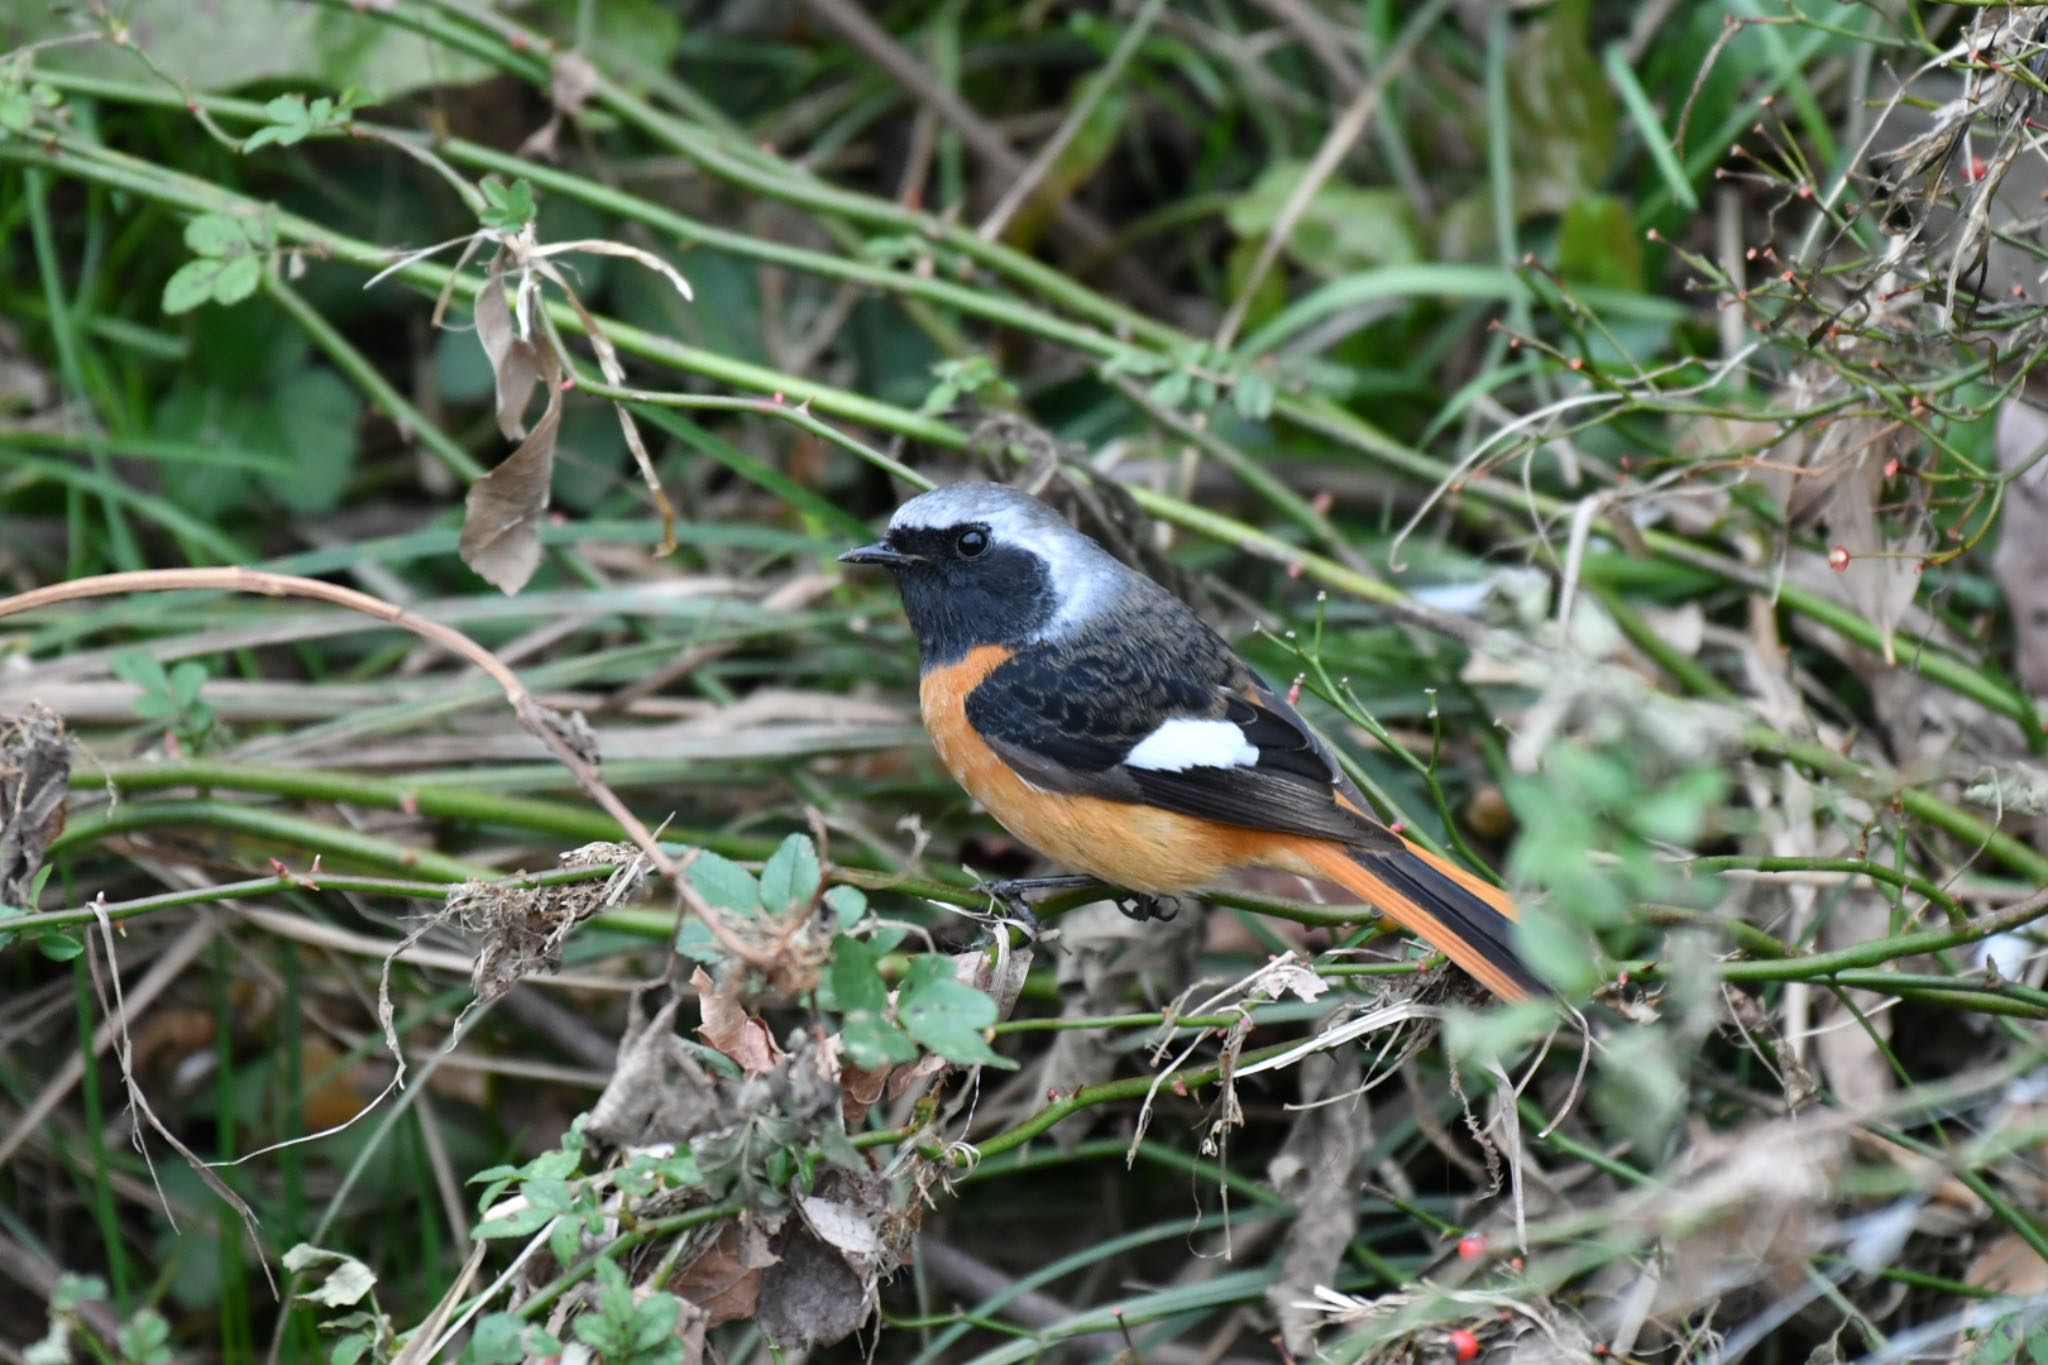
x,y
1185,742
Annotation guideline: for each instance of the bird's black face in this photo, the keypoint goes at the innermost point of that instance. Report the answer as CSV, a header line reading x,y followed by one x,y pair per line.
x,y
963,586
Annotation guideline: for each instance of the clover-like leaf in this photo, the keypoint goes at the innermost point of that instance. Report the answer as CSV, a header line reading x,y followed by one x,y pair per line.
x,y
791,876
724,884
947,1015
872,1040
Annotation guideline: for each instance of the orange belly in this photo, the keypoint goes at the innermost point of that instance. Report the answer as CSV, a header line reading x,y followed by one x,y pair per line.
x,y
1142,848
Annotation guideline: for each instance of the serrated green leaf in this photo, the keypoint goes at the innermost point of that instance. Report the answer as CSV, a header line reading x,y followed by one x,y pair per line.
x,y
791,876
725,884
215,234
947,1015
351,1348
237,280
190,285
286,109
871,1039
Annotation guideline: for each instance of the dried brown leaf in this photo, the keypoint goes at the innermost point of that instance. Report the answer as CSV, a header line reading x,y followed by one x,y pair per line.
x,y
729,1028
517,363
501,522
721,1282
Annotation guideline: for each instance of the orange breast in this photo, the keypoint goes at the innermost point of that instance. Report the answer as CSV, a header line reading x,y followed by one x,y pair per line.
x,y
1139,847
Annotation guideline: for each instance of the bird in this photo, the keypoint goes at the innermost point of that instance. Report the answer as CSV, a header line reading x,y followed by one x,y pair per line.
x,y
1102,722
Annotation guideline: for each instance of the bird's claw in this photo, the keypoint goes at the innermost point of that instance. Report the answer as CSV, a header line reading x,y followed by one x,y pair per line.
x,y
1142,907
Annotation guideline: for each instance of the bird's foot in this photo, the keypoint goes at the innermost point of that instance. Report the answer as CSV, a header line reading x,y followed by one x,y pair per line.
x,y
1140,906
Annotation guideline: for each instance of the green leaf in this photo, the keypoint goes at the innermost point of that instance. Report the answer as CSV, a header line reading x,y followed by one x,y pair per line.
x,y
190,285
286,109
186,680
215,234
1597,243
495,1341
58,946
848,903
791,876
237,279
565,1241
507,208
725,884
351,1348
72,1290
522,1222
871,1039
145,1339
696,942
344,1280
1171,390
1253,395
945,1014
140,667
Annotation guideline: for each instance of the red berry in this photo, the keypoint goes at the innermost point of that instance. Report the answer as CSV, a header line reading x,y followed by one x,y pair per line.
x,y
1838,558
1471,1247
1464,1345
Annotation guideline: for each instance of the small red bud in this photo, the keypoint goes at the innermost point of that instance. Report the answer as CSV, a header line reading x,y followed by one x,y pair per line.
x,y
1464,1345
1838,558
1977,168
1471,1247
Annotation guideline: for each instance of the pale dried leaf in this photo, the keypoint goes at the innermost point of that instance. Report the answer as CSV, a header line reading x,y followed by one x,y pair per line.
x,y
501,521
729,1028
517,364
849,1228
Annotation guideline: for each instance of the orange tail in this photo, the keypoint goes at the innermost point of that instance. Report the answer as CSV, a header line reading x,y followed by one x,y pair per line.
x,y
1461,916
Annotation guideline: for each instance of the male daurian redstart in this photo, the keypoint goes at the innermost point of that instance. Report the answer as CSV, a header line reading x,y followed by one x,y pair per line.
x,y
1105,725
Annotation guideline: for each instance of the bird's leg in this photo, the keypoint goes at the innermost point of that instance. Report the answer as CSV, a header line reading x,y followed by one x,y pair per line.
x,y
1013,893
1137,905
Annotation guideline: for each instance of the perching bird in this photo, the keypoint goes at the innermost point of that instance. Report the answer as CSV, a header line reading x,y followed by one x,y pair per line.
x,y
1105,725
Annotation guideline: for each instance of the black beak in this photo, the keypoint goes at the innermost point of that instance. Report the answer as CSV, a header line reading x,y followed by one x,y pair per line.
x,y
878,553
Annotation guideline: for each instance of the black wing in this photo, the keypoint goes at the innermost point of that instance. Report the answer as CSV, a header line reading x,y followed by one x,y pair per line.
x,y
1067,716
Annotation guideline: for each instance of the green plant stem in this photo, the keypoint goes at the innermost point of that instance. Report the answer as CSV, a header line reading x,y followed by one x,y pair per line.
x,y
272,827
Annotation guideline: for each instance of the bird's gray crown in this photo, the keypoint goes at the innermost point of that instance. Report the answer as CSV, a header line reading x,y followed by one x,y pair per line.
x,y
1084,577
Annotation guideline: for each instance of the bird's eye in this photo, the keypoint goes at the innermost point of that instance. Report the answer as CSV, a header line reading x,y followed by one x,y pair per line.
x,y
971,542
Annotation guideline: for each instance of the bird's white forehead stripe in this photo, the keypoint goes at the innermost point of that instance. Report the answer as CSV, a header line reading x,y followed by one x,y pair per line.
x,y
1083,575
1185,742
